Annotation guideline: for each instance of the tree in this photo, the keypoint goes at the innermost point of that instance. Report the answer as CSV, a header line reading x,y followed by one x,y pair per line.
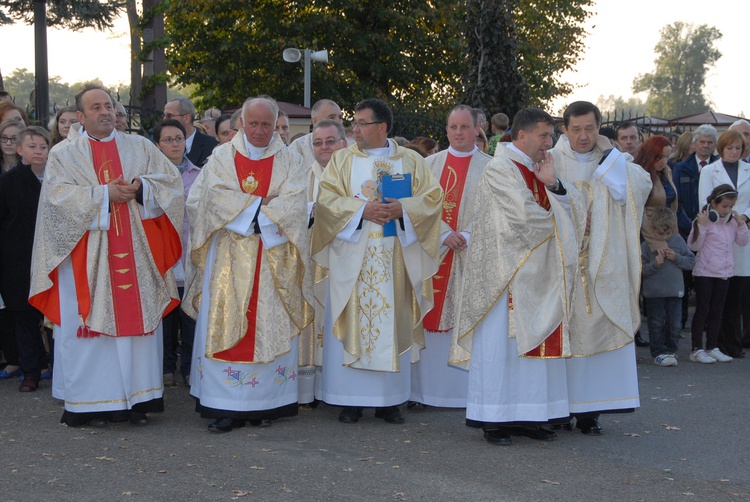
x,y
71,14
493,81
684,55
633,106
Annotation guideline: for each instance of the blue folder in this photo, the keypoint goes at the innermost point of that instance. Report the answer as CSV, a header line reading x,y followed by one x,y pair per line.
x,y
394,186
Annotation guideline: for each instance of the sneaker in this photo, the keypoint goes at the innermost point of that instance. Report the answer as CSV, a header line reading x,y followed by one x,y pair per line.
x,y
719,355
700,356
665,360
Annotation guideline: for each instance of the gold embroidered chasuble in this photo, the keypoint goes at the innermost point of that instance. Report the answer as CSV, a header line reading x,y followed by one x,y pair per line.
x,y
71,200
605,312
358,271
437,164
517,245
215,199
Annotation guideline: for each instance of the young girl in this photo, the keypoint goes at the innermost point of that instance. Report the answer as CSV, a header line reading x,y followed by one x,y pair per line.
x,y
714,231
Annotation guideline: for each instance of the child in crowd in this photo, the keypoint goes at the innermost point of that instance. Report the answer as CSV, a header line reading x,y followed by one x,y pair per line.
x,y
714,231
663,286
19,197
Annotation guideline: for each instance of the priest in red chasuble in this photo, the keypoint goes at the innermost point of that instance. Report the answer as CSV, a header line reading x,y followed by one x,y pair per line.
x,y
248,240
107,235
459,168
511,327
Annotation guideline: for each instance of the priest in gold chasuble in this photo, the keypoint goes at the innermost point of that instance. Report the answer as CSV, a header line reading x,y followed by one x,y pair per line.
x,y
376,287
248,240
512,313
459,168
107,237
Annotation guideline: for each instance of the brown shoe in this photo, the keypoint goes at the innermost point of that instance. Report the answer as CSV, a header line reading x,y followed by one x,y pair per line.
x,y
29,384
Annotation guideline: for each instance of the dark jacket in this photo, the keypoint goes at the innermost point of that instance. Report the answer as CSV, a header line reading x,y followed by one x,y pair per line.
x,y
686,177
201,148
19,198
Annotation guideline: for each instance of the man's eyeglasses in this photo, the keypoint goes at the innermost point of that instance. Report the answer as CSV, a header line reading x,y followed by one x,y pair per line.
x,y
121,115
328,142
171,116
169,141
363,124
11,140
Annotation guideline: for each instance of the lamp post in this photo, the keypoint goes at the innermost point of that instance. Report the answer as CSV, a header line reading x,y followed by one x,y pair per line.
x,y
292,55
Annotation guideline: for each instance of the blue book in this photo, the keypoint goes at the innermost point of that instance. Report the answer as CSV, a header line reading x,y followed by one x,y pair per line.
x,y
394,186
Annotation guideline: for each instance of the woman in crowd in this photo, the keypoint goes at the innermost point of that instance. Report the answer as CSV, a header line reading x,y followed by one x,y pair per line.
x,y
652,157
8,133
732,170
429,145
9,111
65,118
682,149
224,131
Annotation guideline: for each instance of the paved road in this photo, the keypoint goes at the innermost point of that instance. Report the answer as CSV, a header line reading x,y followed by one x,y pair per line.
x,y
689,441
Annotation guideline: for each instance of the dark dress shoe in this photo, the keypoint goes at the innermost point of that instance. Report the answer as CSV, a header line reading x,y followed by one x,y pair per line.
x,y
392,415
538,433
589,426
29,384
350,415
499,438
263,422
139,419
225,425
640,342
561,427
98,422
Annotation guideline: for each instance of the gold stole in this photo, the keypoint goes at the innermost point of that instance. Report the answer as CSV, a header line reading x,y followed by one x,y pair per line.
x,y
126,295
453,181
552,345
254,177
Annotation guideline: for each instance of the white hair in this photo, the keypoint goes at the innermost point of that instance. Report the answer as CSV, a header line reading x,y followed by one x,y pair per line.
x,y
705,130
739,123
267,100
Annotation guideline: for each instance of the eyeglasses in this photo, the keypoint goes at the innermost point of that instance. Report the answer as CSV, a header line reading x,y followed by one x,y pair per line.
x,y
171,115
328,142
363,124
121,115
11,140
169,141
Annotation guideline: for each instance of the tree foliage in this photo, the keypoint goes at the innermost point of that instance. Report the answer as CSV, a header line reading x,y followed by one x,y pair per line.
x,y
684,55
70,14
413,54
493,81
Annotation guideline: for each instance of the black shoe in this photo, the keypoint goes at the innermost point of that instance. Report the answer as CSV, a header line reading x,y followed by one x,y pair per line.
x,y
263,422
499,438
139,419
392,415
350,415
640,342
98,422
589,426
538,433
561,427
736,355
225,425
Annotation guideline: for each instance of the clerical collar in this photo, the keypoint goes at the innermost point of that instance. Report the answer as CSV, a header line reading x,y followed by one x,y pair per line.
x,y
583,157
456,153
111,136
253,152
525,159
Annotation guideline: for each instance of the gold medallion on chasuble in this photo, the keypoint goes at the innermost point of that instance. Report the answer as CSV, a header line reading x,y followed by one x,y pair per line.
x,y
249,184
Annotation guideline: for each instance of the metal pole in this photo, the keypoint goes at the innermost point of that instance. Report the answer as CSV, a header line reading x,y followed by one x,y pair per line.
x,y
41,73
307,78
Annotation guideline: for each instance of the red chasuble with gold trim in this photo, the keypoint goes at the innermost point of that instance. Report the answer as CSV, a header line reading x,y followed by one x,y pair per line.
x,y
552,345
453,181
254,177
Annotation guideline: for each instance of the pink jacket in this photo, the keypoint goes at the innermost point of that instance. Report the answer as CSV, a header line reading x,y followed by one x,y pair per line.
x,y
715,247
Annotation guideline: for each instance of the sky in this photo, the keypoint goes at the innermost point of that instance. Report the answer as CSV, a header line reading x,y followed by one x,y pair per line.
x,y
619,46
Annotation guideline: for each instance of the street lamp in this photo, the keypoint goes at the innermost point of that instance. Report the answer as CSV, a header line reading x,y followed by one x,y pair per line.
x,y
292,55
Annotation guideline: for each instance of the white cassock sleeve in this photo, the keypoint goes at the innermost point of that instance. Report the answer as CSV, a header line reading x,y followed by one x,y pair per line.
x,y
101,220
408,235
615,178
350,233
243,223
270,233
150,208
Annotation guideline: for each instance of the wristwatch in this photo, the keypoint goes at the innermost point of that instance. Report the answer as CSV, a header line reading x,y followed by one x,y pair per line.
x,y
555,186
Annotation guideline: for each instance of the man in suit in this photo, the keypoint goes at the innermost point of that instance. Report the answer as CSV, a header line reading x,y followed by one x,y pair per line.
x,y
197,145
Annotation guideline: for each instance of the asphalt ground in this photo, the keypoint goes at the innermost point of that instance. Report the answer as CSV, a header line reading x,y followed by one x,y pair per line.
x,y
688,441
